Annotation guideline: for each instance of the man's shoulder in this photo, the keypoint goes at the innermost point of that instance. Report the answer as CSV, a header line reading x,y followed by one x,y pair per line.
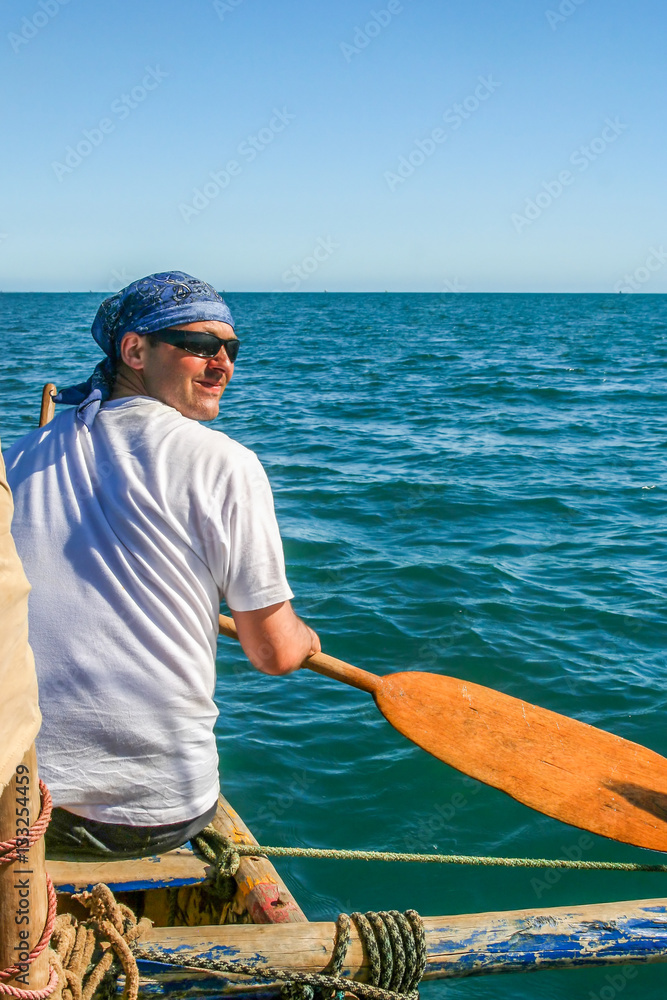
x,y
28,449
215,442
162,427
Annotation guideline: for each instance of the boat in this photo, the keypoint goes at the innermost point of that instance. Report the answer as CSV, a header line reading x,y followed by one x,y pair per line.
x,y
263,923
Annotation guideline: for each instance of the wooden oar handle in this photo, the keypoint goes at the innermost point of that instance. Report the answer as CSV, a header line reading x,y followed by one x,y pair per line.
x,y
48,406
338,670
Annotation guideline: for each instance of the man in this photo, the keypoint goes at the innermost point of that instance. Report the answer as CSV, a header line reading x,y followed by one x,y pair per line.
x,y
133,521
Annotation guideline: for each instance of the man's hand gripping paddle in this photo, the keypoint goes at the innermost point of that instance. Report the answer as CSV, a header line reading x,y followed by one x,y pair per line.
x,y
556,765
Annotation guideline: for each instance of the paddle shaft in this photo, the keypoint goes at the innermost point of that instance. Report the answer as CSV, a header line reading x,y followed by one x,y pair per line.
x,y
48,407
329,666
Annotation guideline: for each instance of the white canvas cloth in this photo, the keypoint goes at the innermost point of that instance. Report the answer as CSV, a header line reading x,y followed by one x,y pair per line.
x,y
19,711
131,533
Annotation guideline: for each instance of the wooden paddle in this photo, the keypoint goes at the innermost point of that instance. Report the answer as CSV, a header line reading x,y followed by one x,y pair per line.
x,y
556,765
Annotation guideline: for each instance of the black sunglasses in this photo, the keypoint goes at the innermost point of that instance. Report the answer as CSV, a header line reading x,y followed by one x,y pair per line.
x,y
204,345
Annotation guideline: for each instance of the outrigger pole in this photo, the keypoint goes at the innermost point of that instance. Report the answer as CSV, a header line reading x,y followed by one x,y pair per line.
x,y
470,944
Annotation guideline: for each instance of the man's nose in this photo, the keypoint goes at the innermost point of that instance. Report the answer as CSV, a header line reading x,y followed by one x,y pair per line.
x,y
222,360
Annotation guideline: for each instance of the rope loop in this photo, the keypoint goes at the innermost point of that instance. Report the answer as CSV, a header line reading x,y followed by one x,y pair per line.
x,y
341,944
9,850
222,855
219,851
396,947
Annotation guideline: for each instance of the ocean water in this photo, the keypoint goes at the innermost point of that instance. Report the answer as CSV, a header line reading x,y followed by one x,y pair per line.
x,y
472,485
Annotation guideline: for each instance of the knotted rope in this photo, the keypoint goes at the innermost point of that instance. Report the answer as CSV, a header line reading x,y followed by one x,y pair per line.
x,y
9,851
112,927
222,855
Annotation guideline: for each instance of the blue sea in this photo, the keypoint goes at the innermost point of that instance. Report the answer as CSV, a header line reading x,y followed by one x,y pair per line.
x,y
471,485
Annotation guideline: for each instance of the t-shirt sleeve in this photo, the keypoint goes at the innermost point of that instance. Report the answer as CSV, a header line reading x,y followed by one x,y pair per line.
x,y
254,568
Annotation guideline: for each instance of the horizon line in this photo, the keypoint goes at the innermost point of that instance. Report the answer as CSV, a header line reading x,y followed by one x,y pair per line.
x,y
325,291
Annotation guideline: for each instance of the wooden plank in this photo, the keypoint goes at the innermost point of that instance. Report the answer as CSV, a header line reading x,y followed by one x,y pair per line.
x,y
176,868
261,890
181,985
458,946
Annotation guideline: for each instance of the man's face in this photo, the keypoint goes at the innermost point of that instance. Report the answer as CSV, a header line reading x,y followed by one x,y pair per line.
x,y
192,385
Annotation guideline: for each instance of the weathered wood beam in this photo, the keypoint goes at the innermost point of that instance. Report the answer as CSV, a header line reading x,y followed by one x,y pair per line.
x,y
463,945
261,890
176,868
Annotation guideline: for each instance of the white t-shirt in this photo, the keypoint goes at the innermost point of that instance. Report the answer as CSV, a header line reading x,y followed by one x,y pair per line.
x,y
131,533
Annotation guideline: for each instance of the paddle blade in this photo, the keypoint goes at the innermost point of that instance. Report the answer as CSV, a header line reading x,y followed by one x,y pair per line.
x,y
556,765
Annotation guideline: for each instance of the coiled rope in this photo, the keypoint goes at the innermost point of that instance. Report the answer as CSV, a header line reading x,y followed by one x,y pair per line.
x,y
88,953
394,942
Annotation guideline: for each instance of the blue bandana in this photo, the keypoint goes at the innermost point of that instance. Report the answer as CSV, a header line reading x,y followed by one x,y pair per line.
x,y
147,305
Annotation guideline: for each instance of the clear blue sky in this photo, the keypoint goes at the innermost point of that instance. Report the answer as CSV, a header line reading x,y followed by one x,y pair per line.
x,y
316,113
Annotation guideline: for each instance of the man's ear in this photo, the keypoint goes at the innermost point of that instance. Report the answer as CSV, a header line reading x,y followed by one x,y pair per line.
x,y
133,349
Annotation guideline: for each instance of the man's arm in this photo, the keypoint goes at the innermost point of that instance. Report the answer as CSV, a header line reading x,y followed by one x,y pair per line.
x,y
274,639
